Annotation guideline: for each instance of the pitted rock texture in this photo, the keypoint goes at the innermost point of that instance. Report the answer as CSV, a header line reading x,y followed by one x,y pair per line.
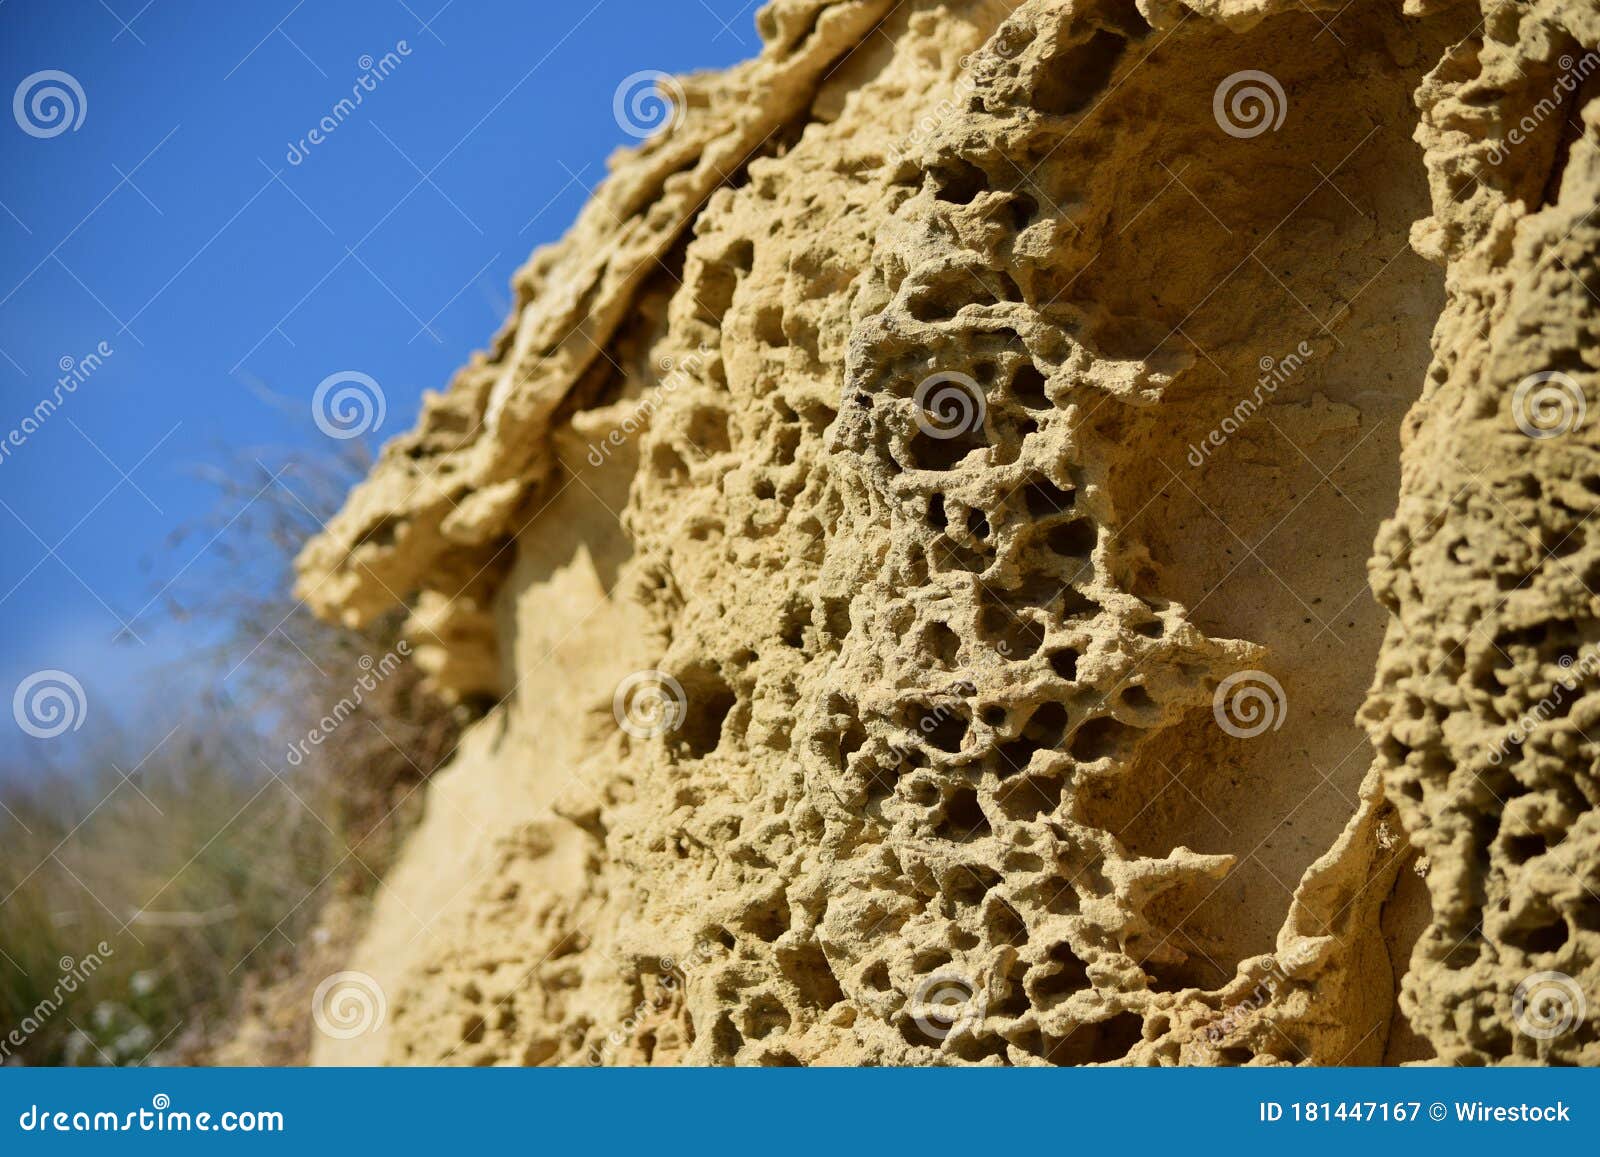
x,y
971,451
1485,705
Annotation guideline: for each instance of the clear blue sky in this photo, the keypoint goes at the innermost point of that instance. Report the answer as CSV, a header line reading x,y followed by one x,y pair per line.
x,y
170,224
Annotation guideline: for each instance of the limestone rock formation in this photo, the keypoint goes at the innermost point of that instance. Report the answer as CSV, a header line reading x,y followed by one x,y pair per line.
x,y
910,547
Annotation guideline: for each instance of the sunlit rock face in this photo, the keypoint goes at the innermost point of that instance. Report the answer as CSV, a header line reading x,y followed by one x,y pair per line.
x,y
913,546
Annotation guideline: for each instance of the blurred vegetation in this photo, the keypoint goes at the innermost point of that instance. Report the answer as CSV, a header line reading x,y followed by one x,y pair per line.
x,y
206,865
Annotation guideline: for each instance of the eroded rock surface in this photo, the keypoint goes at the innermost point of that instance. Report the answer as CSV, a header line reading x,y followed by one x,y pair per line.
x,y
913,536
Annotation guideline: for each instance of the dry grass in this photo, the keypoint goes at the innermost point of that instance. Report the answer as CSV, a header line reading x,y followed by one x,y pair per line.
x,y
204,870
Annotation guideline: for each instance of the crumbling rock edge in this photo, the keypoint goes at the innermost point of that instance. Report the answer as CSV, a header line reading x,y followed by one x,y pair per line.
x,y
950,725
